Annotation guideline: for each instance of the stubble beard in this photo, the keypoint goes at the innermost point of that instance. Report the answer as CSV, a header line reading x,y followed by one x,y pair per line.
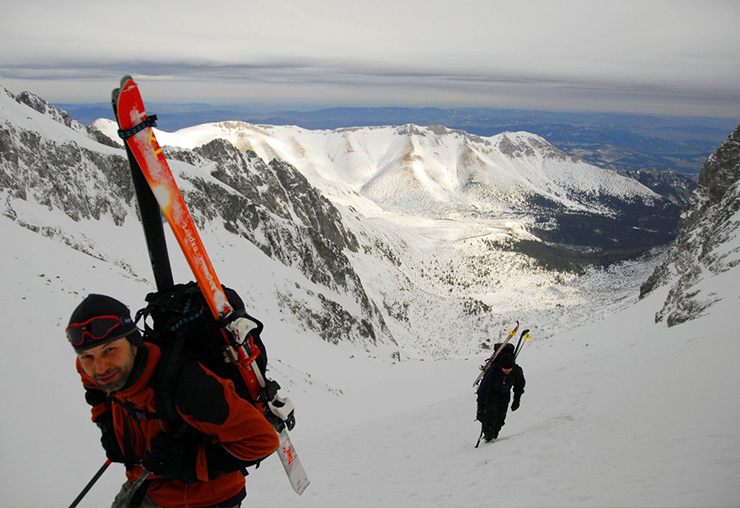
x,y
120,381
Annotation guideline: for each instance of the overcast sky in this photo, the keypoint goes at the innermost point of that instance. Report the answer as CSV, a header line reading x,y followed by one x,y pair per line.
x,y
649,56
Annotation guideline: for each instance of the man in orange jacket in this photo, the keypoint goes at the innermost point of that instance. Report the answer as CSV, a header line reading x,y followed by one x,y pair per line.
x,y
198,464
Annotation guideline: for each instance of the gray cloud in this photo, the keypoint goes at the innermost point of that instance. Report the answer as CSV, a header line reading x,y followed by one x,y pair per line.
x,y
680,57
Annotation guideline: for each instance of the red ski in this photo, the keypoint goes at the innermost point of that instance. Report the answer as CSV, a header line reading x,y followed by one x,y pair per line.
x,y
133,119
136,129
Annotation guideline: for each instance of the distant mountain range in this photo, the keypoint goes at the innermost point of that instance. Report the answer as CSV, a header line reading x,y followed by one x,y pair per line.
x,y
574,213
370,235
616,141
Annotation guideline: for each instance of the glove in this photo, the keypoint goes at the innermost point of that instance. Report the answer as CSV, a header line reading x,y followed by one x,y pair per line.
x,y
515,405
108,439
172,457
280,412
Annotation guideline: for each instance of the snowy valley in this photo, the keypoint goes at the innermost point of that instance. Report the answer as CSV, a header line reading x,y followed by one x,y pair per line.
x,y
384,263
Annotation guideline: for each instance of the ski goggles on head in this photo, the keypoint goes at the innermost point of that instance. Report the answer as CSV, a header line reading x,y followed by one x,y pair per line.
x,y
99,328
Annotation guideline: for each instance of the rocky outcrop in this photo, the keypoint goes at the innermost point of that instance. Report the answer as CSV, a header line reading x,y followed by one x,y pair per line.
x,y
704,246
82,183
58,115
270,204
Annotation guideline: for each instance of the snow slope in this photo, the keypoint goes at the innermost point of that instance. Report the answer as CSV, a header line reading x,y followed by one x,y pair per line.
x,y
622,412
607,420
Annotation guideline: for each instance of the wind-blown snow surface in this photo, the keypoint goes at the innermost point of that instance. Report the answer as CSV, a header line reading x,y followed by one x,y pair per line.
x,y
623,412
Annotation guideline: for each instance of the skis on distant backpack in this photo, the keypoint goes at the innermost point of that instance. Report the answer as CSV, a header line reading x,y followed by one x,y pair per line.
x,y
146,158
520,344
500,348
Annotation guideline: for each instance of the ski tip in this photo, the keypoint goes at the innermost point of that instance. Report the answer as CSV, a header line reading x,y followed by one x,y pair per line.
x,y
115,94
301,487
125,80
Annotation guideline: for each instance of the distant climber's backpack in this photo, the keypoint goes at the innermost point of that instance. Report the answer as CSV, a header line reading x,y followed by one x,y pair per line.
x,y
508,349
179,321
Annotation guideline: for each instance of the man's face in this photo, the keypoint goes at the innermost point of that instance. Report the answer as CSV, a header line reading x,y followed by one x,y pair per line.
x,y
109,365
506,371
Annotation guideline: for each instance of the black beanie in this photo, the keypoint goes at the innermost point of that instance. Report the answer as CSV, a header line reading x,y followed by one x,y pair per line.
x,y
80,328
507,362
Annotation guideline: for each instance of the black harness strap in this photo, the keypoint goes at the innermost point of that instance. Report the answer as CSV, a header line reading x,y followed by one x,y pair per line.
x,y
149,122
134,411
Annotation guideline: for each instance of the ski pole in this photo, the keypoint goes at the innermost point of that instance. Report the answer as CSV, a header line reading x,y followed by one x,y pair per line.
x,y
90,484
130,492
479,438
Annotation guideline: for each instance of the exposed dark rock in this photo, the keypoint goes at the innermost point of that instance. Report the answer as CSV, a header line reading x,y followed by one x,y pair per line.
x,y
708,222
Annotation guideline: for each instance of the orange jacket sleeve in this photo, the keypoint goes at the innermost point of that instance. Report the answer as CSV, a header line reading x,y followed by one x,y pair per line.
x,y
211,405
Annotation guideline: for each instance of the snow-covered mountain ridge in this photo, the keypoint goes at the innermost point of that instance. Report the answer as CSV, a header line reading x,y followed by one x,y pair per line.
x,y
428,170
435,172
67,186
430,270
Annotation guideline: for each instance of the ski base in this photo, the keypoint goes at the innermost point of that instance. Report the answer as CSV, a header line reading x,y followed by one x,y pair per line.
x,y
291,463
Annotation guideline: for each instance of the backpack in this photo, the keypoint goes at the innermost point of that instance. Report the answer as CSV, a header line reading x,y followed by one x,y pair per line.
x,y
508,349
184,329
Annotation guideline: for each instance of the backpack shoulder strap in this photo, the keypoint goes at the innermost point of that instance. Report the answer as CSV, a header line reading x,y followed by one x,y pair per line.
x,y
164,381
